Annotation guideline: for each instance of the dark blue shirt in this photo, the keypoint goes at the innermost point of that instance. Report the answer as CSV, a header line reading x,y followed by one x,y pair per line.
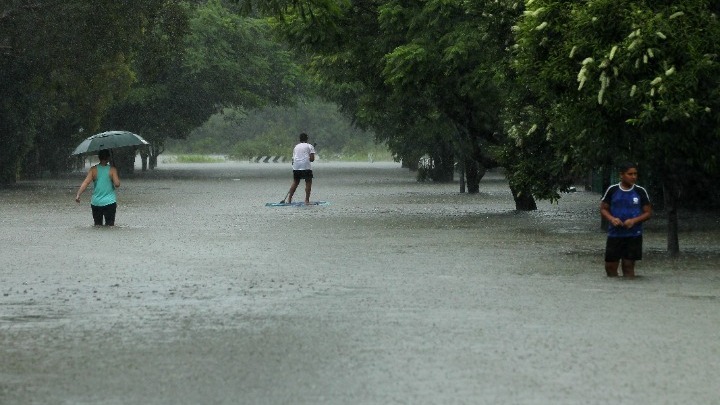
x,y
625,204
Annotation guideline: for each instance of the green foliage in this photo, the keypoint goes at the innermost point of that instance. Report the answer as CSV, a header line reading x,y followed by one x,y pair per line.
x,y
59,77
423,75
225,60
614,80
156,67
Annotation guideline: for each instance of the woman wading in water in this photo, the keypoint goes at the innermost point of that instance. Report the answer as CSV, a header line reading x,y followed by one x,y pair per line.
x,y
105,180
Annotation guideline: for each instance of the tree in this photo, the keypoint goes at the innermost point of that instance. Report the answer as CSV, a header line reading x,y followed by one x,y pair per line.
x,y
615,80
138,65
447,55
59,77
410,69
225,60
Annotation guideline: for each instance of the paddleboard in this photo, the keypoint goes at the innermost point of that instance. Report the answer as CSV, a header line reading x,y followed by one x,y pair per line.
x,y
295,204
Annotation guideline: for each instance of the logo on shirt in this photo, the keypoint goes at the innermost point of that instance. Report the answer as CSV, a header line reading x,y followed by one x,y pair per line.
x,y
636,200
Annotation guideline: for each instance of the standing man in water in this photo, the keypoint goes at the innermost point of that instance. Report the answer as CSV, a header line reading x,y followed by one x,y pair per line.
x,y
625,206
105,180
303,154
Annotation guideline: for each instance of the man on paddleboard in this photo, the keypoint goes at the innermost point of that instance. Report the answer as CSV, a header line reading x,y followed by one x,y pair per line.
x,y
303,154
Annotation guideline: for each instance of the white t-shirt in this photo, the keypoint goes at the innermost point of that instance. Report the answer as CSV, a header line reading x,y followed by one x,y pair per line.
x,y
301,156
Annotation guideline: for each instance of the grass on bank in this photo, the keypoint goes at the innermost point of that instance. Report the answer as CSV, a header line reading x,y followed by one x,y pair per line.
x,y
377,155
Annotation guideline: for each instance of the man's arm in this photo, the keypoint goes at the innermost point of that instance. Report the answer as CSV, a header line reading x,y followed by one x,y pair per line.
x,y
646,214
312,152
605,212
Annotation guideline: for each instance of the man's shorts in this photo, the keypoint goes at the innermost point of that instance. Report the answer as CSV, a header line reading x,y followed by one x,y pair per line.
x,y
623,248
302,174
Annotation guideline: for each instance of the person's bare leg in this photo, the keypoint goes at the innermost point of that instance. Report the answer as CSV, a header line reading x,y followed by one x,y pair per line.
x,y
308,187
611,268
293,187
628,268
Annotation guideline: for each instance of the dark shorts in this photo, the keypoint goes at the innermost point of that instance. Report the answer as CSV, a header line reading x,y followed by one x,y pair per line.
x,y
106,211
302,174
623,248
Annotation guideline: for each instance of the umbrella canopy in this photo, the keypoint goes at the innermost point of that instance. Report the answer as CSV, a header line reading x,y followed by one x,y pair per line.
x,y
109,140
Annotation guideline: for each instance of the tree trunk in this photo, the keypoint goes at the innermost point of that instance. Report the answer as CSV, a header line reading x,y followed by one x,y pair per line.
x,y
474,172
461,173
671,194
443,167
12,151
524,201
8,169
124,161
411,164
144,159
154,150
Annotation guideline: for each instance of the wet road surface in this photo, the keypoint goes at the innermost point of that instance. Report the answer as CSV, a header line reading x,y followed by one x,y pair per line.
x,y
397,292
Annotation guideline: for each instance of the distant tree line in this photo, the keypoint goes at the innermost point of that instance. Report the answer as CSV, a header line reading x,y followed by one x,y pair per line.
x,y
273,130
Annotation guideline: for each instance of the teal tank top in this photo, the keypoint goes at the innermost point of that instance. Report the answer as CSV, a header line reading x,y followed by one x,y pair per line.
x,y
103,188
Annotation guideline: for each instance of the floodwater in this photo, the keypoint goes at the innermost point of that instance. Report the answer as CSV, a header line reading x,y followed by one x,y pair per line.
x,y
396,292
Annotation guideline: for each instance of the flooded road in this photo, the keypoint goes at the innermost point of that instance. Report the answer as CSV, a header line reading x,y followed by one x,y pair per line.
x,y
397,292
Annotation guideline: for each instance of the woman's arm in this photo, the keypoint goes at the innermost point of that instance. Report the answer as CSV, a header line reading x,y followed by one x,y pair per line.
x,y
114,177
88,179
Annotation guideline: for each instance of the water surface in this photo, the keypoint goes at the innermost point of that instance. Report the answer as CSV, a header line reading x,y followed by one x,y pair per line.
x,y
397,292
